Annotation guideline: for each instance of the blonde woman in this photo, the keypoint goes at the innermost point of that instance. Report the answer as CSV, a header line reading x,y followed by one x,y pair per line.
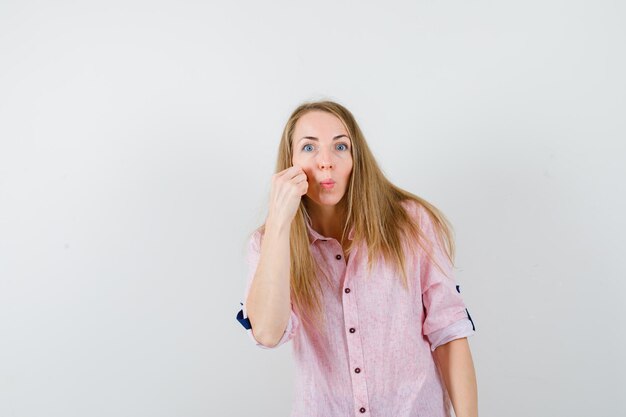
x,y
358,273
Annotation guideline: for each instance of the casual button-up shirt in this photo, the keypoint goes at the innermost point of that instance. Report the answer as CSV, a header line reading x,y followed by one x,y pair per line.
x,y
375,357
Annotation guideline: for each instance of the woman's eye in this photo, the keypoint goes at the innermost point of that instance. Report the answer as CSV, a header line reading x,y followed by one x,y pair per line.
x,y
345,147
307,146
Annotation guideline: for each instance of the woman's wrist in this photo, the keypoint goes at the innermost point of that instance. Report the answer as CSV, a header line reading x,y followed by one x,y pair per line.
x,y
276,226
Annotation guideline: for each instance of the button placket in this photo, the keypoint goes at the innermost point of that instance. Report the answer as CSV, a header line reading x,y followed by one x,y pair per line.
x,y
355,346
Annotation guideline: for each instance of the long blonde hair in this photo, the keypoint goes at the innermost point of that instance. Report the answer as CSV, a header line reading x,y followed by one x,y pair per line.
x,y
377,216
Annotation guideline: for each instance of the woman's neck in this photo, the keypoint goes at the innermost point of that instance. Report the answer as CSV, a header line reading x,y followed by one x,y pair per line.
x,y
328,221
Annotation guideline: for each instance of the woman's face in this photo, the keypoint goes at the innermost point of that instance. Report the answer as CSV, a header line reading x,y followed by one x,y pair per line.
x,y
322,148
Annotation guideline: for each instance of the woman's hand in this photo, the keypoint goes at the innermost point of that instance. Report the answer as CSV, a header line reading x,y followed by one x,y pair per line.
x,y
288,187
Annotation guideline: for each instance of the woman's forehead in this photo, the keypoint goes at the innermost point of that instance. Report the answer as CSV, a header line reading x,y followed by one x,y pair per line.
x,y
317,122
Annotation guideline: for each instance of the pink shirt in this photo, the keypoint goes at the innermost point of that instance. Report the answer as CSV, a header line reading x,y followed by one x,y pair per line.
x,y
376,358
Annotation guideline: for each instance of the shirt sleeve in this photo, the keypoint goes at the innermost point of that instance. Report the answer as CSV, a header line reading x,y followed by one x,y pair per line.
x,y
446,317
252,260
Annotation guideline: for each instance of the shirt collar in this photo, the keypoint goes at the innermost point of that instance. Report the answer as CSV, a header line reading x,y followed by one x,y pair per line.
x,y
314,235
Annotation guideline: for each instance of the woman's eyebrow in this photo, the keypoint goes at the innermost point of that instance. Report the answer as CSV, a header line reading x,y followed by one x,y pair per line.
x,y
314,138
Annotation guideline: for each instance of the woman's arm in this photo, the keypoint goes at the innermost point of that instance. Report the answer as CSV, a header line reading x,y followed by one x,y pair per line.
x,y
457,368
269,300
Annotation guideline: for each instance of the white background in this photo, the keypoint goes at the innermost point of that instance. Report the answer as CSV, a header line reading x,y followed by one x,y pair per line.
x,y
138,138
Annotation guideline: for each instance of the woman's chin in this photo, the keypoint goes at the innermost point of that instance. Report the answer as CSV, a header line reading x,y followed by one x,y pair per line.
x,y
325,200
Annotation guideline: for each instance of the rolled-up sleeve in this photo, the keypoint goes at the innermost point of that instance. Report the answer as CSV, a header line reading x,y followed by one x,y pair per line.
x,y
252,260
446,317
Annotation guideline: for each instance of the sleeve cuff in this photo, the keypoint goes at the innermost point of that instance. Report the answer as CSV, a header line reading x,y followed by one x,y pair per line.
x,y
456,330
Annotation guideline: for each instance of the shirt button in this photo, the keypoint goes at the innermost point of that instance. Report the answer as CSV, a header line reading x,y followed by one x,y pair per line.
x,y
357,370
347,290
362,409
352,330
338,257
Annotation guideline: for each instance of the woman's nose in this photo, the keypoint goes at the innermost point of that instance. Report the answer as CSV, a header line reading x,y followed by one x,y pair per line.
x,y
325,163
325,160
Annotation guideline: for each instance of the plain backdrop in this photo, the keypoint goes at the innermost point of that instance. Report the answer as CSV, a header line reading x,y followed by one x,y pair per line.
x,y
137,142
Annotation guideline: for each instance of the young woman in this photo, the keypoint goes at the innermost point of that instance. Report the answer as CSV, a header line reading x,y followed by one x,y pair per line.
x,y
359,274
